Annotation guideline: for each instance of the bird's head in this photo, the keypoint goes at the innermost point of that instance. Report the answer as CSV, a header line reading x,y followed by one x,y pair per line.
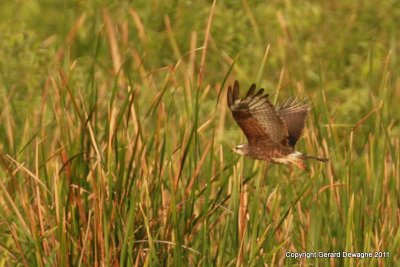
x,y
241,149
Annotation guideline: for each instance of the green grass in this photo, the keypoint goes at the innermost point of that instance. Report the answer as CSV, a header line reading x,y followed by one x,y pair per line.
x,y
115,136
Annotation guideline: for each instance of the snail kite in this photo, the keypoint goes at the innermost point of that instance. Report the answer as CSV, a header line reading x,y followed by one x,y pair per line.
x,y
271,131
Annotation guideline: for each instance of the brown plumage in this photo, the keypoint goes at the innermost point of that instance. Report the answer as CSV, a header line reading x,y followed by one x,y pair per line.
x,y
272,131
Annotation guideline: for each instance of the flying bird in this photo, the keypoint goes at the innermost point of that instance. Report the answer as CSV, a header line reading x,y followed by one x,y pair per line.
x,y
271,131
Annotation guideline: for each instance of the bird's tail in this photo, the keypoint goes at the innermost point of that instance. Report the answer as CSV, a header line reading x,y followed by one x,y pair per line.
x,y
298,159
305,156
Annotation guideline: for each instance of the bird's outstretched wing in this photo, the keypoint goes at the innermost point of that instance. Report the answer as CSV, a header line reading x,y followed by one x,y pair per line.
x,y
257,117
294,113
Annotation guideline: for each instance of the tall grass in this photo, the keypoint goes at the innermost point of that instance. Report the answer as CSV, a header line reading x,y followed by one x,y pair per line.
x,y
115,136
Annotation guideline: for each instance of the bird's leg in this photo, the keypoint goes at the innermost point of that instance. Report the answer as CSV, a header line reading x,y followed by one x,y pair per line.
x,y
300,164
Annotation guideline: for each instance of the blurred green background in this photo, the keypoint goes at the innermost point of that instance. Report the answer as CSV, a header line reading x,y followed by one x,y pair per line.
x,y
115,136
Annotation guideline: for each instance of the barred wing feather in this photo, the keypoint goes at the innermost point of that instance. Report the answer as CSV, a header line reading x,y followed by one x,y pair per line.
x,y
256,116
294,113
